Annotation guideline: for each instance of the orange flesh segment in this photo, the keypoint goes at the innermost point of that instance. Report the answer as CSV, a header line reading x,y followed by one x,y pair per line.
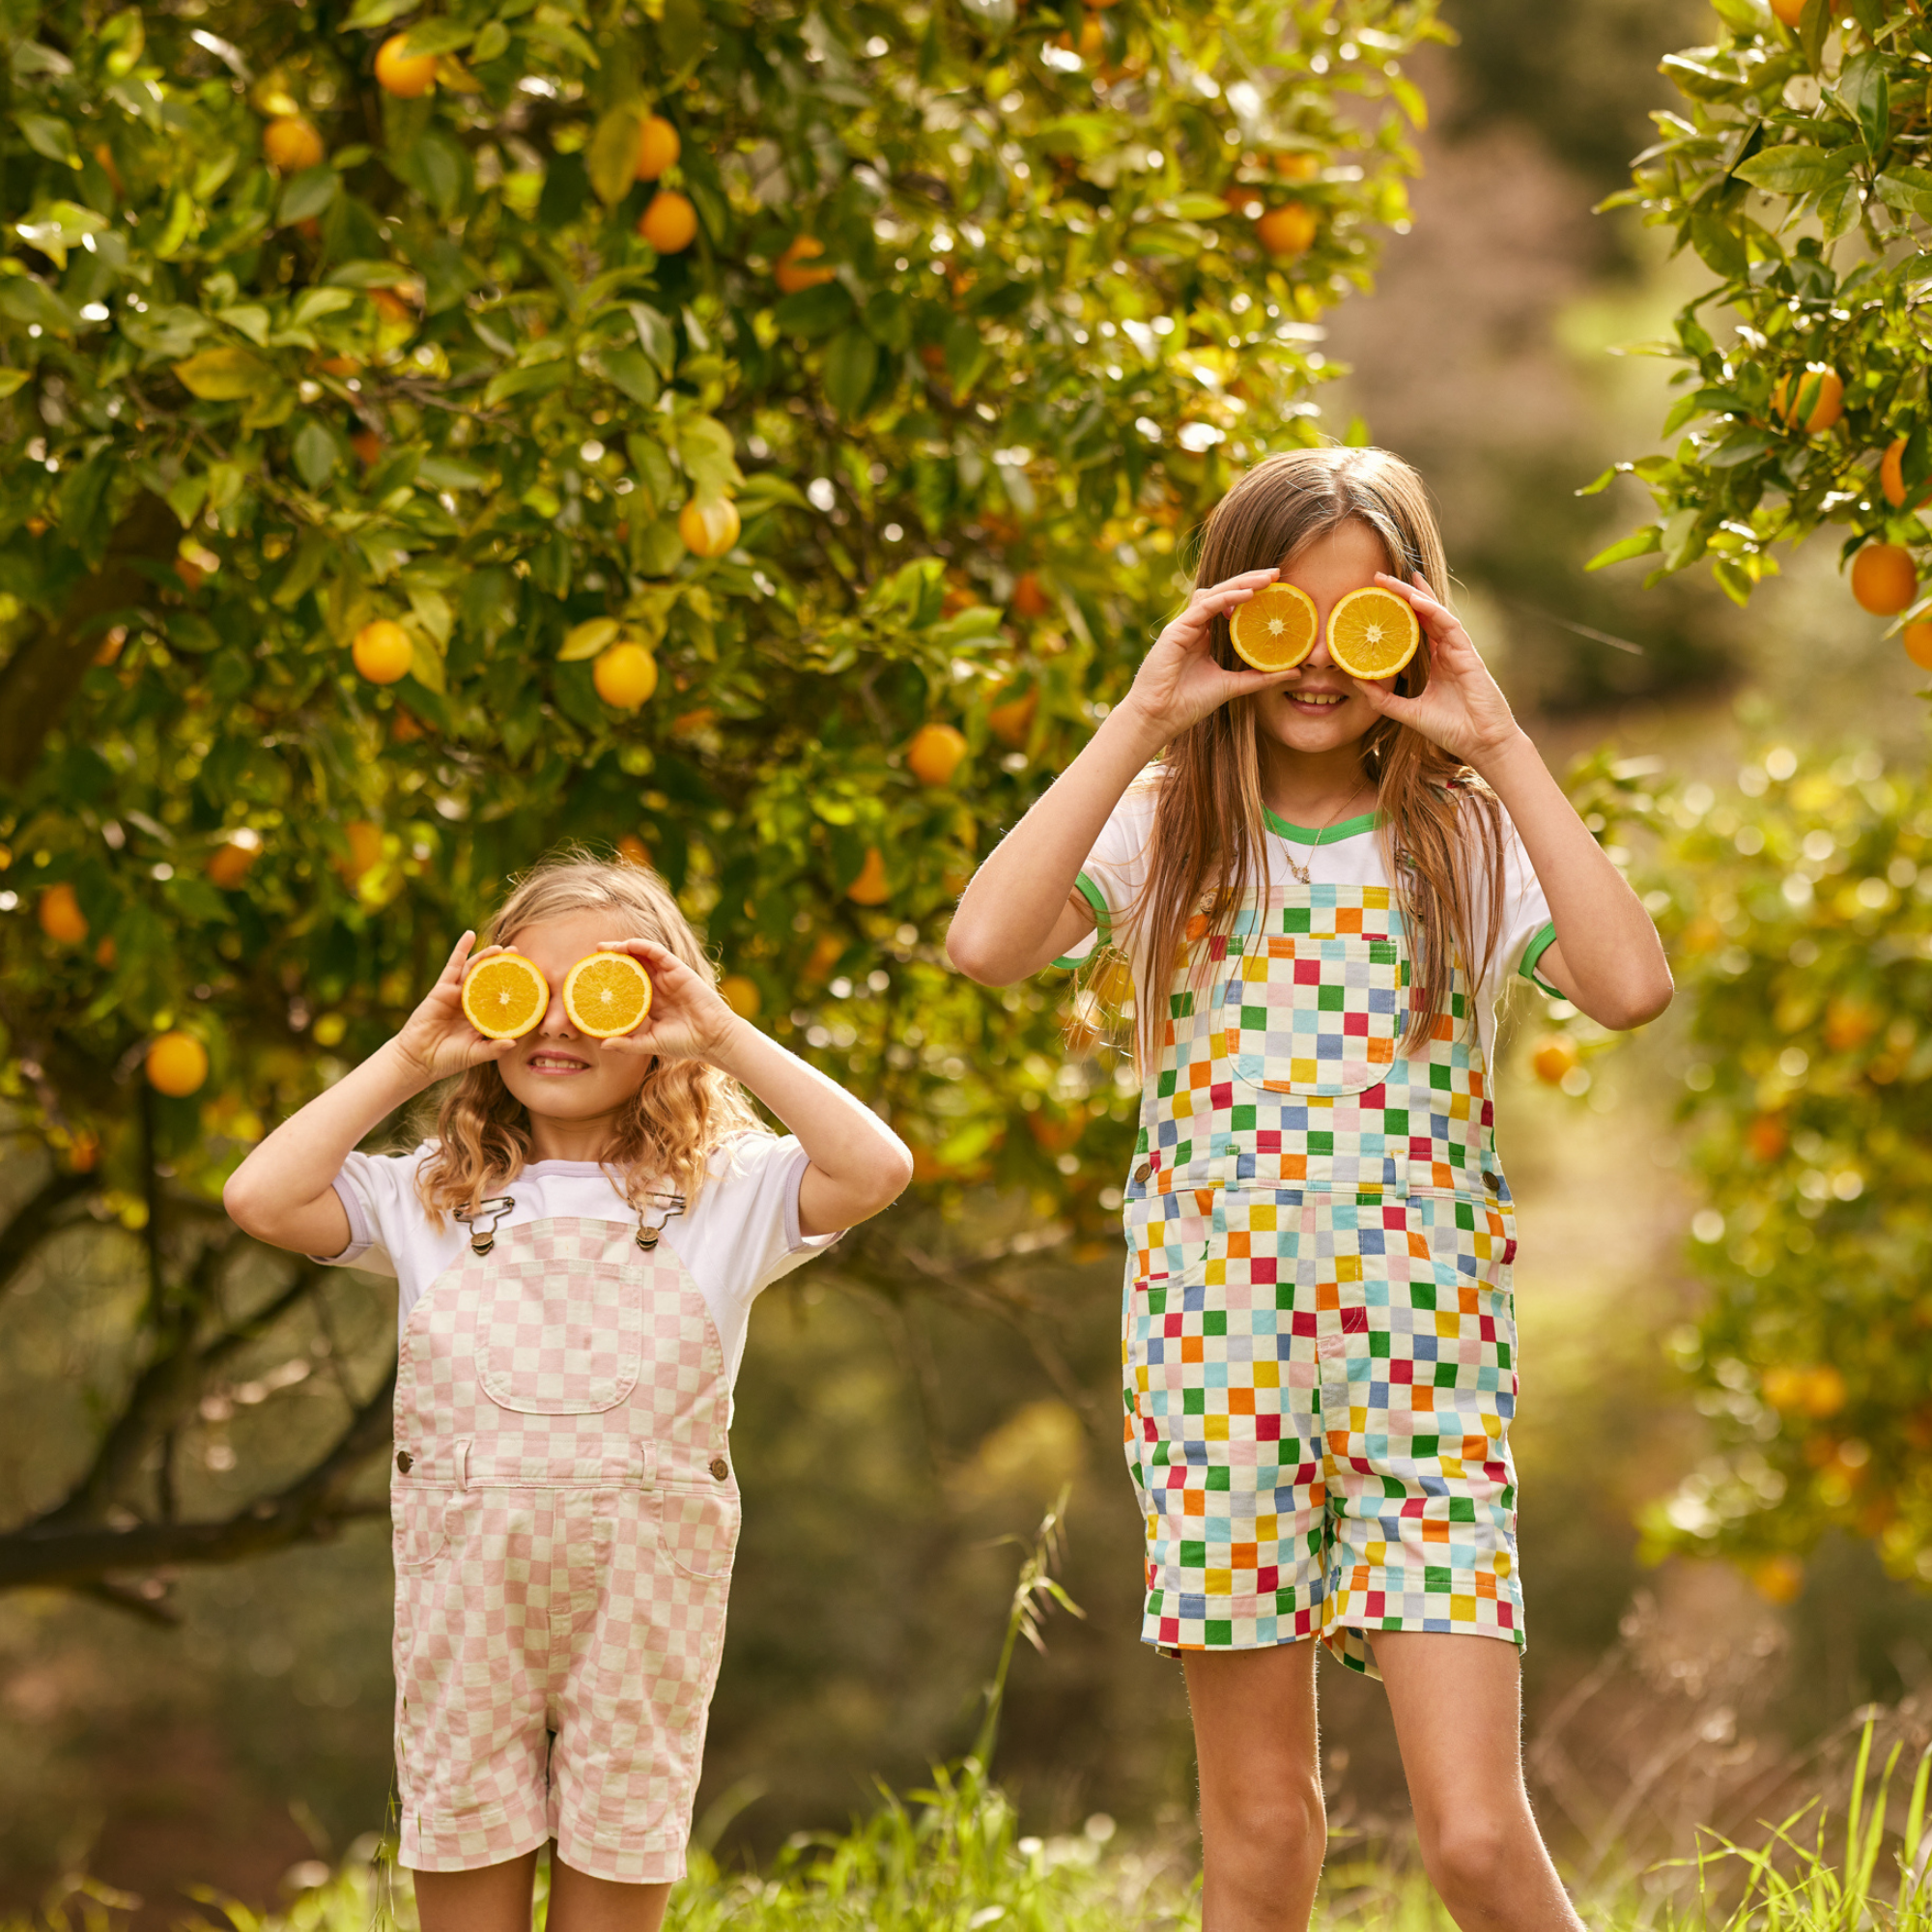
x,y
505,997
1274,630
1372,634
607,993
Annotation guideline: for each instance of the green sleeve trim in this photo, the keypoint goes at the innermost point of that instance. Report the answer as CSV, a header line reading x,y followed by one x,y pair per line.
x,y
1103,919
1534,952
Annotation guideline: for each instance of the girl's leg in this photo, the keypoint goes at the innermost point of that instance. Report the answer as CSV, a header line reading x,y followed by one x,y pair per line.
x,y
1263,1828
580,1903
1458,1708
494,1899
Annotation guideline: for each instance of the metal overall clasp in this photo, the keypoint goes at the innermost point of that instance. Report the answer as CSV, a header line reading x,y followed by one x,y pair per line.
x,y
667,1206
482,1229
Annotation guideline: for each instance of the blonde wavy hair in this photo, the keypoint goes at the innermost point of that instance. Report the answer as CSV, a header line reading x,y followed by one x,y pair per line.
x,y
480,1132
1440,826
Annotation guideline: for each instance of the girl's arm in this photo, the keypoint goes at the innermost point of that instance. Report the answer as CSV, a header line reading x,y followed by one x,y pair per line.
x,y
857,1164
284,1193
1606,957
1020,910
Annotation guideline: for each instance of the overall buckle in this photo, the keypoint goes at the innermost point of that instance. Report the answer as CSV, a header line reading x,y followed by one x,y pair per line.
x,y
483,1237
648,1232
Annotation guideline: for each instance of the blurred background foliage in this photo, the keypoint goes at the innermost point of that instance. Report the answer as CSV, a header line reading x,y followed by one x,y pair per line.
x,y
906,1408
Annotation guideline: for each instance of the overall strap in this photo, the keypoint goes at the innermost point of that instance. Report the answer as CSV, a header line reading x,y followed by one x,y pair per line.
x,y
480,1217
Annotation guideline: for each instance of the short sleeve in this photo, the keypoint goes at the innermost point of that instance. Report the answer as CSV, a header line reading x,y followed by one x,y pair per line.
x,y
1526,931
1117,869
745,1233
377,1193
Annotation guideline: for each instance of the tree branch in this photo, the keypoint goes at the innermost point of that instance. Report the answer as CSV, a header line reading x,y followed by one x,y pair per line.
x,y
43,674
309,1510
34,1219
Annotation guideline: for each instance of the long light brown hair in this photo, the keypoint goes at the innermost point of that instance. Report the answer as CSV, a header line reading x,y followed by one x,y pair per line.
x,y
1438,823
684,1109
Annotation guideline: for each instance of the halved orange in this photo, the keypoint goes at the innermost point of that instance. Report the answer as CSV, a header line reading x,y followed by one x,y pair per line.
x,y
505,996
606,994
1275,629
1373,633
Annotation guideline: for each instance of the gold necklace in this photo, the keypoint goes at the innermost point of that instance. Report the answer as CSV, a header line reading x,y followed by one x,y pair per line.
x,y
1320,838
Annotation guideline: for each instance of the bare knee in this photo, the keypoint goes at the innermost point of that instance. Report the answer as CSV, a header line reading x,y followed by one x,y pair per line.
x,y
1469,1856
1279,1826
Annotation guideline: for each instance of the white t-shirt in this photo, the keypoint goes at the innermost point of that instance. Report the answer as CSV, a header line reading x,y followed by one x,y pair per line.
x,y
1347,854
739,1237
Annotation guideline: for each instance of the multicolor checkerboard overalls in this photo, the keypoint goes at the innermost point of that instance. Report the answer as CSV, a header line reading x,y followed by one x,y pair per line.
x,y
1318,1334
565,1518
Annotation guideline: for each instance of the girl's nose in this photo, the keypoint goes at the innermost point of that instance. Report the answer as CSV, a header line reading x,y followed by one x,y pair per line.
x,y
555,1022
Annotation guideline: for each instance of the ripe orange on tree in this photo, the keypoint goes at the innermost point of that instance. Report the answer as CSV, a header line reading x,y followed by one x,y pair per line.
x,y
625,675
1030,598
1891,476
505,996
741,995
1819,390
1373,633
1883,578
1556,1059
1288,230
60,916
606,994
291,143
1275,629
177,1065
1765,1138
228,864
406,75
382,652
826,949
1244,198
633,851
1012,722
790,272
658,148
1297,164
1918,643
366,849
396,314
870,887
670,224
368,448
1778,1578
709,526
934,753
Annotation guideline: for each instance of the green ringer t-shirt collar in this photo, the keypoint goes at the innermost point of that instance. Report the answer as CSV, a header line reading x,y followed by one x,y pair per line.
x,y
1333,834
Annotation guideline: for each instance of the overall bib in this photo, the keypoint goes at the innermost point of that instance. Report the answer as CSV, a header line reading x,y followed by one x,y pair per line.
x,y
565,1518
1318,1332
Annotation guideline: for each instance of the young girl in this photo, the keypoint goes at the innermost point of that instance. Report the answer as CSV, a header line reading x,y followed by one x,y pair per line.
x,y
577,1250
1323,886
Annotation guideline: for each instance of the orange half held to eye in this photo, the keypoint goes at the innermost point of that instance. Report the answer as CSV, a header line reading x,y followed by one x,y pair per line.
x,y
1275,629
505,997
606,994
1372,634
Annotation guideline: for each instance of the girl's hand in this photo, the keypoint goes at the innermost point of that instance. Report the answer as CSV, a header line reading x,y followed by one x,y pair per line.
x,y
437,1040
1462,708
1178,682
688,1019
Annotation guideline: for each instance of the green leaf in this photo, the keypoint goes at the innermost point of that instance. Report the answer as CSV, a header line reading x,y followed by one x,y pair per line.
x,y
1909,190
540,381
1601,484
438,37
307,194
768,488
850,364
223,375
305,567
1742,445
587,639
48,136
631,371
13,378
706,449
612,157
814,312
316,454
312,304
655,337
1865,92
426,665
683,33
1642,544
379,12
1718,246
1796,168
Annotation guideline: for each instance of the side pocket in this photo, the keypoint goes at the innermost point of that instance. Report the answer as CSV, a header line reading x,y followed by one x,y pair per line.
x,y
419,1529
698,1530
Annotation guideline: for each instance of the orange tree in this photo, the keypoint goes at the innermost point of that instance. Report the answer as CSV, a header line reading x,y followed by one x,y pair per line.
x,y
750,438
1797,172
1797,906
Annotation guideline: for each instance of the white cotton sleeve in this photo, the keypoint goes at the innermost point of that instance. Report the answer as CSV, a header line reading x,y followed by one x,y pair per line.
x,y
1117,869
377,1193
1526,931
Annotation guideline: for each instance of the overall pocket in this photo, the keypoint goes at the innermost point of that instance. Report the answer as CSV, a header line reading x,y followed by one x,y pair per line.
x,y
419,1529
1314,1015
560,1336
699,1530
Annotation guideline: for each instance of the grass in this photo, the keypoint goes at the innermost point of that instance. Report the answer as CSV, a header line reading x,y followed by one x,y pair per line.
x,y
952,1858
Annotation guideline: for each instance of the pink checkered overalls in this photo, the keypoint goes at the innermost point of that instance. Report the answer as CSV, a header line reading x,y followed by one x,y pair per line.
x,y
565,1518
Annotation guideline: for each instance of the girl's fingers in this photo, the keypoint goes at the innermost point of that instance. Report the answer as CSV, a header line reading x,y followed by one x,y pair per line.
x,y
452,968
